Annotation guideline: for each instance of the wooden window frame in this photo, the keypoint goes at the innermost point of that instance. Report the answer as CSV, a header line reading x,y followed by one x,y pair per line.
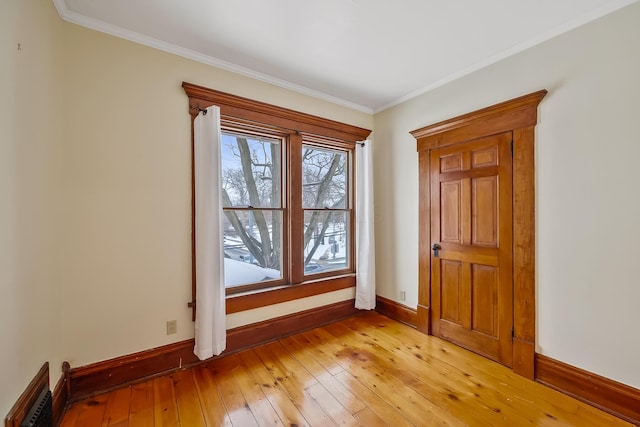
x,y
349,150
233,128
519,116
250,114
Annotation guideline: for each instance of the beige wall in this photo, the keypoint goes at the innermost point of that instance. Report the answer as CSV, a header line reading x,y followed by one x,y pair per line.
x,y
588,202
125,191
96,193
29,132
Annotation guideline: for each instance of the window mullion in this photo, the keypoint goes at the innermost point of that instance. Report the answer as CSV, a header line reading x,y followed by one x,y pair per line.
x,y
296,264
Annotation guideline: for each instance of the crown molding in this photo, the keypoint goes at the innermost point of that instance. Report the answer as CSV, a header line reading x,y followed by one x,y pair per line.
x,y
73,17
599,12
94,24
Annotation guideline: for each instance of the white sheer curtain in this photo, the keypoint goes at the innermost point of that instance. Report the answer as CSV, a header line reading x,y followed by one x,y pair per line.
x,y
211,334
365,241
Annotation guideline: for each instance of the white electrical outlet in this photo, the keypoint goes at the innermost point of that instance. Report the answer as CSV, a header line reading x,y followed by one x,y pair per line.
x,y
172,327
403,296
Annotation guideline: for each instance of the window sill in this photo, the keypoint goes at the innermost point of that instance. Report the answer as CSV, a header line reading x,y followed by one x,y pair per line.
x,y
264,297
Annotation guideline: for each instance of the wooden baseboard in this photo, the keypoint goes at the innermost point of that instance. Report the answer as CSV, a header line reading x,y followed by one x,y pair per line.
x,y
524,358
613,397
28,397
107,375
423,319
396,311
60,395
103,376
270,330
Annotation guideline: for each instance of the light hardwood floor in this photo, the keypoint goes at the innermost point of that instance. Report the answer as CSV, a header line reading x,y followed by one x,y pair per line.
x,y
367,370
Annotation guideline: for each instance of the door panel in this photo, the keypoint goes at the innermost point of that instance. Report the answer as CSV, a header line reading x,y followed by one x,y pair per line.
x,y
484,291
451,206
451,277
484,157
471,220
451,163
484,211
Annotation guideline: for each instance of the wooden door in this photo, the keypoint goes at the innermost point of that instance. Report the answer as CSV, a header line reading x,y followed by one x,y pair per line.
x,y
471,226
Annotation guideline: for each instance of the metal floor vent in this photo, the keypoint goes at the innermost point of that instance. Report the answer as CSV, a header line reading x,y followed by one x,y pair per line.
x,y
41,413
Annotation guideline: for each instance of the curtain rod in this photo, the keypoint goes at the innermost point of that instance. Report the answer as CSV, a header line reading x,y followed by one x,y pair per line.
x,y
200,110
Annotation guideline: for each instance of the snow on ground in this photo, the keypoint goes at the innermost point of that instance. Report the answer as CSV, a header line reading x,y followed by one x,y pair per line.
x,y
240,273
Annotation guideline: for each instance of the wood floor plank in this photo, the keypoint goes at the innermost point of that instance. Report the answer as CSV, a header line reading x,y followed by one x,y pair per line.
x,y
540,402
92,411
362,364
338,413
164,402
319,355
290,365
71,415
258,403
187,399
471,398
214,411
366,370
463,393
274,392
322,355
412,405
366,417
117,408
386,412
324,377
317,391
449,390
396,383
237,407
141,407
295,389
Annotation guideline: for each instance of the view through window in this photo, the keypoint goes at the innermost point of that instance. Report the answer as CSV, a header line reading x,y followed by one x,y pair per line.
x,y
255,195
252,202
325,202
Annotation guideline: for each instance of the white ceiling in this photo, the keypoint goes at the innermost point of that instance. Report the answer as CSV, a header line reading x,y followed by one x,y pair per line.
x,y
365,54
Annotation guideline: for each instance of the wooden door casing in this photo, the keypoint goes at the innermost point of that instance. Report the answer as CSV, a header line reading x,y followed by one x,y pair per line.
x,y
471,220
519,116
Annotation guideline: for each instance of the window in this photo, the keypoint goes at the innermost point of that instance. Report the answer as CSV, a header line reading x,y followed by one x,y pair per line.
x,y
287,199
253,207
258,221
325,202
